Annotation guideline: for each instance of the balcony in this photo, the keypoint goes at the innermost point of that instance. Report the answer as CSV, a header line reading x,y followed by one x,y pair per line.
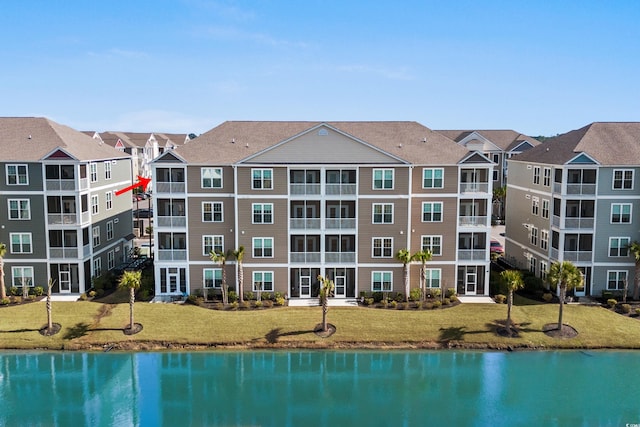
x,y
340,257
304,257
472,254
578,222
577,256
304,223
172,254
340,223
171,221
304,189
474,187
63,253
170,187
67,218
581,189
66,184
341,189
473,221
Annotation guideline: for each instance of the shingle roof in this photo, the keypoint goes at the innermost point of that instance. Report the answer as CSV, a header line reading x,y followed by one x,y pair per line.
x,y
404,140
505,139
32,138
609,143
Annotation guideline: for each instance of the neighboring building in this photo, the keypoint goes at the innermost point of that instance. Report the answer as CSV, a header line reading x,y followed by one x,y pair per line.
x,y
313,198
497,145
575,198
59,215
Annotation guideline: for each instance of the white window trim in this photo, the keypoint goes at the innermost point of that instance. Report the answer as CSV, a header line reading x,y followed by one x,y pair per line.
x,y
30,237
95,204
262,239
433,178
613,179
432,211
93,172
382,247
22,269
28,209
618,273
107,170
111,260
212,203
621,205
432,236
95,236
620,246
108,197
213,237
17,165
263,272
383,170
382,273
262,178
202,171
109,231
373,213
429,278
253,205
204,278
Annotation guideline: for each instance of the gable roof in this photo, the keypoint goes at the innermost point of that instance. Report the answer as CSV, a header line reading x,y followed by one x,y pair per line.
x,y
30,139
505,139
608,143
233,141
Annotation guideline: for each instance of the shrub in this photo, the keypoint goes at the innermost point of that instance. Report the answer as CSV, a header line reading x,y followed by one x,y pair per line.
x,y
248,296
637,311
417,305
99,292
234,305
611,302
383,304
266,296
368,301
258,304
626,308
38,291
415,294
547,296
233,296
434,292
500,299
394,304
245,304
267,303
92,294
428,305
5,301
450,292
378,296
14,291
531,282
436,304
280,301
446,301
399,297
277,295
454,299
83,297
192,299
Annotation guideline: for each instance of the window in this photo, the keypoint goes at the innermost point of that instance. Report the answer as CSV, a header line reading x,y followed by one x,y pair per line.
x,y
22,276
543,270
432,178
211,177
93,172
536,174
432,244
545,208
383,213
544,239
534,236
535,205
263,247
616,280
111,261
109,231
382,247
20,243
262,179
532,265
19,209
432,277
212,278
212,244
211,211
262,213
621,213
109,199
94,205
97,267
431,211
107,169
382,179
623,179
546,178
17,175
619,246
95,233
263,281
381,281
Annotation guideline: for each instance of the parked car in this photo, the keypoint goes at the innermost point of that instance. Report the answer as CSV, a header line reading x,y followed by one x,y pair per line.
x,y
143,213
496,247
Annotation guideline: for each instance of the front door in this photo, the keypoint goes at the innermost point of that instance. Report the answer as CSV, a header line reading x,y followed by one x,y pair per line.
x,y
65,279
340,284
305,286
471,284
173,280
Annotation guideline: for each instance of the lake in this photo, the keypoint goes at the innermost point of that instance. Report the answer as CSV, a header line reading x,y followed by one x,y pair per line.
x,y
307,388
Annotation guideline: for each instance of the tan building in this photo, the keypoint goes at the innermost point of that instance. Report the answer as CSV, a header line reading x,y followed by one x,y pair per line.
x,y
318,198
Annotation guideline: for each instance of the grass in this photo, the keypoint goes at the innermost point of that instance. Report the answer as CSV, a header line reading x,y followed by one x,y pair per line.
x,y
91,325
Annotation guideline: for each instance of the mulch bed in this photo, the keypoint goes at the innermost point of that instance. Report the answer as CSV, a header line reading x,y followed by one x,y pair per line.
x,y
331,329
551,330
55,328
137,327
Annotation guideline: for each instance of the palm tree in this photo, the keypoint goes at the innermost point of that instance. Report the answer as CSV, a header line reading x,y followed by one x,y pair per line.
x,y
239,256
131,280
49,317
220,257
634,248
3,252
423,257
326,291
404,257
499,196
564,275
514,281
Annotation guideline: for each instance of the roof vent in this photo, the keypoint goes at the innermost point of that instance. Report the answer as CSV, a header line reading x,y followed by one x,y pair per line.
x,y
246,145
29,136
424,140
233,140
399,145
323,132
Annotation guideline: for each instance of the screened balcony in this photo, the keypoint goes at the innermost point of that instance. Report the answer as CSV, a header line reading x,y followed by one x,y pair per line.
x,y
171,213
305,215
340,215
472,246
341,182
305,248
304,181
474,180
170,180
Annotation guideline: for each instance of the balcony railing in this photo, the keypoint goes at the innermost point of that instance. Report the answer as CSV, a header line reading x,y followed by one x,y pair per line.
x,y
473,221
303,257
578,222
340,223
171,221
86,251
577,256
304,223
299,189
62,218
472,254
63,253
341,189
557,187
340,257
172,254
170,187
474,187
581,189
555,254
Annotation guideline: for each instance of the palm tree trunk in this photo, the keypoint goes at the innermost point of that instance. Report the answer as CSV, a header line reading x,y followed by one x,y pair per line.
x,y
240,283
636,282
406,282
509,304
563,291
423,281
325,309
3,291
132,299
49,318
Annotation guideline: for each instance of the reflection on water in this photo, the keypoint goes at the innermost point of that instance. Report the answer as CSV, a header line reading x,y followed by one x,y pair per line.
x,y
320,388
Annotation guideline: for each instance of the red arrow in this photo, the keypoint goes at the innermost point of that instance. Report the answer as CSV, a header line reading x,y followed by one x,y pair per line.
x,y
142,182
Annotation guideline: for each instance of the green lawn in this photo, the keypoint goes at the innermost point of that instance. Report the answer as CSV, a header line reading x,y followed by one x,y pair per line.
x,y
91,325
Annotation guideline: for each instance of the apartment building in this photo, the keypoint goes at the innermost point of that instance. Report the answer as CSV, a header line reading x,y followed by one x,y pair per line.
x,y
321,198
59,215
575,198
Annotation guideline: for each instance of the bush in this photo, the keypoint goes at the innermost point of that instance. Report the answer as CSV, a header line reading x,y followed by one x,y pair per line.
x,y
193,300
532,284
446,301
83,297
277,295
500,299
436,304
611,302
547,296
267,303
637,311
454,299
417,305
415,294
368,301
394,304
434,292
399,297
450,292
378,296
38,291
280,301
233,296
245,304
249,296
234,305
5,301
383,304
626,308
258,304
14,291
428,305
266,296
92,294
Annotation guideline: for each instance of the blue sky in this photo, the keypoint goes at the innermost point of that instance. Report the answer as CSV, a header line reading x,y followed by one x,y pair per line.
x,y
538,67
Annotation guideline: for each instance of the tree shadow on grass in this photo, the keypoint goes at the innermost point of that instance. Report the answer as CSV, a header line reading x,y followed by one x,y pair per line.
x,y
13,331
77,331
456,333
499,328
273,335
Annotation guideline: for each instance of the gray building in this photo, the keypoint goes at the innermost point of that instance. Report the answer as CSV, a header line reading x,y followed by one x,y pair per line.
x,y
576,198
59,215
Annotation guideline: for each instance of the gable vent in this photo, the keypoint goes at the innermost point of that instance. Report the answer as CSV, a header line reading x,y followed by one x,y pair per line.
x,y
323,132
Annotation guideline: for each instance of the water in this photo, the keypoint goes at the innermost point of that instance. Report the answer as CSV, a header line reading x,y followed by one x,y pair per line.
x,y
320,388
